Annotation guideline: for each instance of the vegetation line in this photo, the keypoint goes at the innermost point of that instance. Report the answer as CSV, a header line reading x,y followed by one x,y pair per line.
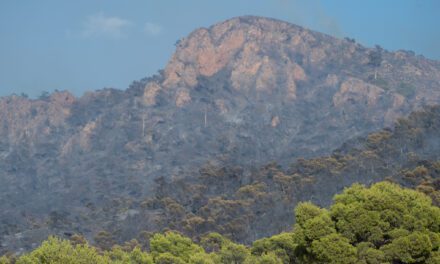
x,y
381,224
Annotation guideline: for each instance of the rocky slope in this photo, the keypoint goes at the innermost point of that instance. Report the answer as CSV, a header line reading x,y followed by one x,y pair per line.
x,y
237,95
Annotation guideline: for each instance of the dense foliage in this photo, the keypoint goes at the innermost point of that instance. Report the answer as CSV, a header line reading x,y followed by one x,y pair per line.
x,y
381,224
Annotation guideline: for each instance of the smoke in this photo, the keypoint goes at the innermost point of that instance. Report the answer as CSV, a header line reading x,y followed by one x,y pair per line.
x,y
311,14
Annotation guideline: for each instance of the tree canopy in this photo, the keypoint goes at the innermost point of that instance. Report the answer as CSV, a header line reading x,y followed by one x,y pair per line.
x,y
384,223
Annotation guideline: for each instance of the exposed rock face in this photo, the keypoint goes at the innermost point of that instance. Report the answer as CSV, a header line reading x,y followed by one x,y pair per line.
x,y
240,93
243,49
150,92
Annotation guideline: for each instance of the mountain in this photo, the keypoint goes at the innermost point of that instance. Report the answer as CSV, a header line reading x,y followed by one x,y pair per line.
x,y
179,145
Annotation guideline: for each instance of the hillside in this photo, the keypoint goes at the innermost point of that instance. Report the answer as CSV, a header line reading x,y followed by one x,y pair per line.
x,y
381,224
246,207
180,149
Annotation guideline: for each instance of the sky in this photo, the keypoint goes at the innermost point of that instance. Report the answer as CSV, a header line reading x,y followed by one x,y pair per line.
x,y
86,45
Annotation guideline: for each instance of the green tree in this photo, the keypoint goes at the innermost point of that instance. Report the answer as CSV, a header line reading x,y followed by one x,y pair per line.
x,y
118,256
203,258
168,258
372,214
368,254
213,242
56,250
334,249
266,258
233,253
174,244
282,245
313,223
413,248
4,260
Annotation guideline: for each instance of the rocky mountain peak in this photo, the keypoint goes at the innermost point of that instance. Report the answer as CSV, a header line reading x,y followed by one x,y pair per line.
x,y
249,49
264,56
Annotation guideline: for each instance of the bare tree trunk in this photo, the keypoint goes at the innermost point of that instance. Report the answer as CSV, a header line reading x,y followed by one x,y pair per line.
x,y
206,116
143,126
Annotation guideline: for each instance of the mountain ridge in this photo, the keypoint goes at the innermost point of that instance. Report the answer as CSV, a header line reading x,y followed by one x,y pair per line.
x,y
257,90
